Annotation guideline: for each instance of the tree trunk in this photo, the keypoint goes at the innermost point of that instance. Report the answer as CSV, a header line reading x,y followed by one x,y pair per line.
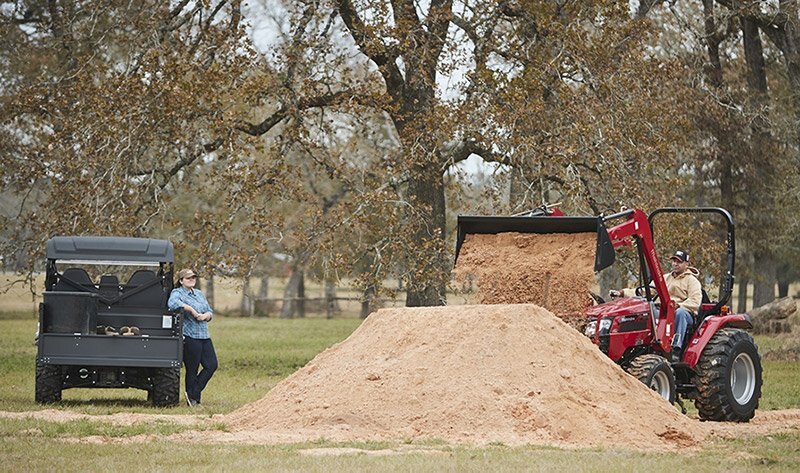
x,y
295,286
429,269
764,267
742,299
786,276
331,305
764,285
783,289
261,305
367,301
644,7
301,294
209,292
246,307
714,67
290,294
790,47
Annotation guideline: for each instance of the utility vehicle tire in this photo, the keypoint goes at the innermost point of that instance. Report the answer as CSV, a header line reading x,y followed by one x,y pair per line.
x,y
656,373
728,377
166,387
49,382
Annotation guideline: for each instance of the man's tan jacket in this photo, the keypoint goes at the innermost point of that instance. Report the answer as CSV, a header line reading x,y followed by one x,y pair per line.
x,y
685,289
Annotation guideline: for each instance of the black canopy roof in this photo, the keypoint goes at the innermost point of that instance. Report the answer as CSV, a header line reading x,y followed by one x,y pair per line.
x,y
110,249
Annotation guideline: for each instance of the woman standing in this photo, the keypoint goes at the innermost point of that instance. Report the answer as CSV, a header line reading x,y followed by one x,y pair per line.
x,y
197,347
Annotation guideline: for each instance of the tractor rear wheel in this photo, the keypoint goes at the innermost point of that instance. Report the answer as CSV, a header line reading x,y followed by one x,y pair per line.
x,y
656,373
49,381
728,377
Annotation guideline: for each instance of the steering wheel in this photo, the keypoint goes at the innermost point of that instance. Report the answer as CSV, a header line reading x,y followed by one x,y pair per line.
x,y
641,291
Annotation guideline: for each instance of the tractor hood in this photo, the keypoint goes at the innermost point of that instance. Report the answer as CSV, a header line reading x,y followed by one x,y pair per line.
x,y
619,307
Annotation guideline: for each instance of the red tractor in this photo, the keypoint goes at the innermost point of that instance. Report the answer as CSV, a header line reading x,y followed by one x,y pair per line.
x,y
720,368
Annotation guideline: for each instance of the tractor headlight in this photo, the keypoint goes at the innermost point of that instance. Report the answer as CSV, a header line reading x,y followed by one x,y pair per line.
x,y
591,329
605,325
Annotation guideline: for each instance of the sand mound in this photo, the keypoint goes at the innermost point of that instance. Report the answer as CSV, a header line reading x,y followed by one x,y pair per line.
x,y
553,271
513,374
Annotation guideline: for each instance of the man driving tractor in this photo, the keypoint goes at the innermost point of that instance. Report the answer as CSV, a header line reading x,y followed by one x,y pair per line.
x,y
685,289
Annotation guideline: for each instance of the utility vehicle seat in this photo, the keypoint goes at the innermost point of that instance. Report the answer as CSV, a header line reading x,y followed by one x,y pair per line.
x,y
75,275
109,286
141,277
143,290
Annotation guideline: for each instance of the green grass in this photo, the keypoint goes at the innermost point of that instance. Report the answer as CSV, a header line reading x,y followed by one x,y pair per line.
x,y
254,355
780,453
85,428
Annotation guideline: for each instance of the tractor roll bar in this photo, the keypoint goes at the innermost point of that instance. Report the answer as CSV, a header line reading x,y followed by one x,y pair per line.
x,y
727,282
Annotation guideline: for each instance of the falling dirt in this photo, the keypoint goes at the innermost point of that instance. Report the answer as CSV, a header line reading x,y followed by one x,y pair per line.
x,y
510,374
554,271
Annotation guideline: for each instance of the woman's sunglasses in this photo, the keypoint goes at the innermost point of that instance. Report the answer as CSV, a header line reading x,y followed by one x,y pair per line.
x,y
190,277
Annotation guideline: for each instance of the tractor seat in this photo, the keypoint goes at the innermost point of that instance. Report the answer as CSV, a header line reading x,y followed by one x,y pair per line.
x,y
706,309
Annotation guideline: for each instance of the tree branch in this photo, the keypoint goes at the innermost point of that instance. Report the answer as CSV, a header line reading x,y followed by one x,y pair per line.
x,y
773,25
439,17
324,100
374,49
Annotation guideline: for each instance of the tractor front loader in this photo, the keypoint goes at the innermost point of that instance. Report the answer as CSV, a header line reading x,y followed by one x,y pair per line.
x,y
720,367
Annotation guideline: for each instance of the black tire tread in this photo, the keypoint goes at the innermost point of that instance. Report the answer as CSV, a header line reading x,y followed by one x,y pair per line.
x,y
641,367
712,377
166,387
48,383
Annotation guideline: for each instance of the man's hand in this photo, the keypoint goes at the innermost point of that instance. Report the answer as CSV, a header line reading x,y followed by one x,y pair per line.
x,y
613,293
204,316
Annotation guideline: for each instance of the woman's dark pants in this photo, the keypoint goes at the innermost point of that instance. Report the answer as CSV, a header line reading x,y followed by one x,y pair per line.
x,y
198,352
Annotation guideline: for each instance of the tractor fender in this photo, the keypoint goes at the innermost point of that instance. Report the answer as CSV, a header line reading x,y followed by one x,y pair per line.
x,y
708,327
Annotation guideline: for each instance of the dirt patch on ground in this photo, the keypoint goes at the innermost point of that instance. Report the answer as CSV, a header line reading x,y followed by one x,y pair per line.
x,y
384,452
120,418
554,271
512,374
764,423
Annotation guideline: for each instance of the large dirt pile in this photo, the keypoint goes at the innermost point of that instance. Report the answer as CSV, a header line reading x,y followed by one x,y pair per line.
x,y
554,271
513,374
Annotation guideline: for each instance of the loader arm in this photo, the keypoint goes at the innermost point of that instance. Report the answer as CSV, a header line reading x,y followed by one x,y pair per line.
x,y
637,226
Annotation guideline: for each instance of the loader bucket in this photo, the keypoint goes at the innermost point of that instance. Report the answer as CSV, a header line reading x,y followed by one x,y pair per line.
x,y
604,255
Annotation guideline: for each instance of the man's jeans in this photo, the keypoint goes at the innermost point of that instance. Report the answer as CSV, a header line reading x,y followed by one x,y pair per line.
x,y
683,322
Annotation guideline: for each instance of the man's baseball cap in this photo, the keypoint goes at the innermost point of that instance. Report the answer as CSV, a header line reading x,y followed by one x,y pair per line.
x,y
680,255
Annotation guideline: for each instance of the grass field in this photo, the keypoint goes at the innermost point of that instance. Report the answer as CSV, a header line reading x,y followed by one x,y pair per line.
x,y
254,355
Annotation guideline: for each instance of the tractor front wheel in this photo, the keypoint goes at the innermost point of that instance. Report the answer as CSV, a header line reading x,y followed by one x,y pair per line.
x,y
728,377
656,373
